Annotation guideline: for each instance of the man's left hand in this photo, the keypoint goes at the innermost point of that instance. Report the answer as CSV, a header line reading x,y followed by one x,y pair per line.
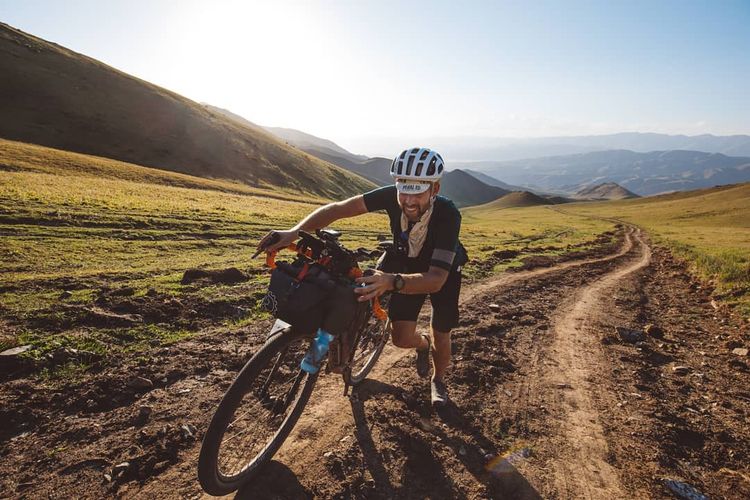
x,y
376,285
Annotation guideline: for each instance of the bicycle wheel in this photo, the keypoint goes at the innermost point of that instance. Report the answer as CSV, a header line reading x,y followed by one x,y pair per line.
x,y
369,344
256,414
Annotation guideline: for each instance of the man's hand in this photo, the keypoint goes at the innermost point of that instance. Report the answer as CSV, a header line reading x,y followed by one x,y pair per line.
x,y
276,240
376,285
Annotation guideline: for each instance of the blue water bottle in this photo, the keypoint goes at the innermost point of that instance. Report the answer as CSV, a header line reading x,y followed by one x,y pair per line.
x,y
316,353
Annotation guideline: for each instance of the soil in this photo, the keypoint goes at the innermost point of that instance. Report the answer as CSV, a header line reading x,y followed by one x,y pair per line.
x,y
547,401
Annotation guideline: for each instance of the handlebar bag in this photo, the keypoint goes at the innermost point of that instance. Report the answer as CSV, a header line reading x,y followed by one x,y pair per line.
x,y
294,291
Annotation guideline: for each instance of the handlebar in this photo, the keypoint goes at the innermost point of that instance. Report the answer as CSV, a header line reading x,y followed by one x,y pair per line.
x,y
323,249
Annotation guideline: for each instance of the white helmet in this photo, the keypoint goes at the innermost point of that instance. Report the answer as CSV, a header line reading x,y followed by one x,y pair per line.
x,y
418,164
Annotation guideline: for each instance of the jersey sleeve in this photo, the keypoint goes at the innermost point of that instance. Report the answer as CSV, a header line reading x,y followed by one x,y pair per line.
x,y
380,199
446,239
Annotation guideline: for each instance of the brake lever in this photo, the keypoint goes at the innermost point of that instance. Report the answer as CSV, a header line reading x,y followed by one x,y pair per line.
x,y
275,237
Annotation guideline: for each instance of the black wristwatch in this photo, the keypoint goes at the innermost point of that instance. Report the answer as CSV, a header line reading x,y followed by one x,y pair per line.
x,y
398,283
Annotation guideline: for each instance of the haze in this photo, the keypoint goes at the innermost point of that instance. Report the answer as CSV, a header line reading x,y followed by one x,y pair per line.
x,y
371,75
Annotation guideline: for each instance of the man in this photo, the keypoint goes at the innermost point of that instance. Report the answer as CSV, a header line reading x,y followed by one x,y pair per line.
x,y
425,229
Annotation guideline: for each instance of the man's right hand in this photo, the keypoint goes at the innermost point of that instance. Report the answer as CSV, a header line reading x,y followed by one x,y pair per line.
x,y
276,240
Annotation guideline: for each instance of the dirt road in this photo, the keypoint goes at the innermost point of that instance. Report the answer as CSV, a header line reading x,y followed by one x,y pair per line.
x,y
548,401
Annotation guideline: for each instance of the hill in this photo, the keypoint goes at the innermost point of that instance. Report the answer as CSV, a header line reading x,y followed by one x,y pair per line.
x,y
306,141
465,190
516,199
642,173
605,191
55,97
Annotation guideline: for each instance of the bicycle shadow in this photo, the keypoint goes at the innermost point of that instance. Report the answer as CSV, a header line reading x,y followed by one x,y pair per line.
x,y
276,481
499,475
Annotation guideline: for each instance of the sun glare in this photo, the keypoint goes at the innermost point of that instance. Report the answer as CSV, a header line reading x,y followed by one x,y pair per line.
x,y
264,61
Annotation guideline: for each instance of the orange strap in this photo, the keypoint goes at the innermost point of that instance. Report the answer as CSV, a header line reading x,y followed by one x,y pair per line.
x,y
271,256
378,310
303,272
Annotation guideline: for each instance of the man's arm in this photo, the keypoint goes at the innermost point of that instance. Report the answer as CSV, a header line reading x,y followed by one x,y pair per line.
x,y
328,214
414,284
318,219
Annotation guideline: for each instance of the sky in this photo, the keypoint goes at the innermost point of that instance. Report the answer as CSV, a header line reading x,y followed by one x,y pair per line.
x,y
368,74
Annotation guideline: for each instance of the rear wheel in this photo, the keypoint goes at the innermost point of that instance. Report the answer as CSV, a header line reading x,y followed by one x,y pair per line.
x,y
370,343
256,414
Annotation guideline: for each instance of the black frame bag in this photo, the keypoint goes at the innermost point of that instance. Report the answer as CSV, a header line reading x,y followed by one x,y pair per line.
x,y
294,290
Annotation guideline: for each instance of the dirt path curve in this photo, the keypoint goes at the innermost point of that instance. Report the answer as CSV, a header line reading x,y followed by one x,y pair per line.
x,y
582,470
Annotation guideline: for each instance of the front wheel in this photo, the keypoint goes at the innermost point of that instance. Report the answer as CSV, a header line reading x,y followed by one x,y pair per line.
x,y
256,414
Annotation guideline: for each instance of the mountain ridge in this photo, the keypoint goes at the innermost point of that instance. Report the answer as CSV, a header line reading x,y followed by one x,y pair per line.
x,y
58,98
642,173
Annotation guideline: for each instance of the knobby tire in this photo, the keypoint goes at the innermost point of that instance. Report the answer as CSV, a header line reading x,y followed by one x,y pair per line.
x,y
279,358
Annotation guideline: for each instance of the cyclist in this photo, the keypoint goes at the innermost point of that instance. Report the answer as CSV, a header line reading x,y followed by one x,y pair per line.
x,y
427,258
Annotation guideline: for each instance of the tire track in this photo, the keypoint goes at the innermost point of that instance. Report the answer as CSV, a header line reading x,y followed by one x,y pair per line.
x,y
580,469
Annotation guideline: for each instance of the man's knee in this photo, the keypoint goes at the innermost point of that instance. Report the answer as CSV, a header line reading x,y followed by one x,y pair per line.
x,y
402,333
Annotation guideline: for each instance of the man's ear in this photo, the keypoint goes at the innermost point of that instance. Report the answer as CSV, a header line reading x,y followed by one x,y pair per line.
x,y
435,188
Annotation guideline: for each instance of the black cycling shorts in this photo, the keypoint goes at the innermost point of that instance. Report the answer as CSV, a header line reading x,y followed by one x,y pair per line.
x,y
403,307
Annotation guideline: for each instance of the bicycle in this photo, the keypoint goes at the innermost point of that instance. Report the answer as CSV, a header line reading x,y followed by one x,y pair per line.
x,y
261,407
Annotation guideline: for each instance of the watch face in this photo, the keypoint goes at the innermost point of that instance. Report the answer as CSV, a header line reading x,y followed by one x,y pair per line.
x,y
398,282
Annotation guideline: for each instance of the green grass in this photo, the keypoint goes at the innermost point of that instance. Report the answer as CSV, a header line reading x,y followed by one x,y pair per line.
x,y
544,231
710,229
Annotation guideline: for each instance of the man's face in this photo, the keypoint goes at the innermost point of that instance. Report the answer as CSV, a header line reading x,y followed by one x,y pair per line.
x,y
415,205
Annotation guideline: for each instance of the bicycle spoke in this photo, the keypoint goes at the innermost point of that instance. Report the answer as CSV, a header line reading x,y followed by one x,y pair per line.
x,y
264,408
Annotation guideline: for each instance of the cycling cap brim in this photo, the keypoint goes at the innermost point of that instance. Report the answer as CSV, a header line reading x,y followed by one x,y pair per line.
x,y
412,187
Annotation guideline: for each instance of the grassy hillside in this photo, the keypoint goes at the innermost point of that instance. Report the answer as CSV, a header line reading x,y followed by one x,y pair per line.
x,y
466,190
710,228
20,157
55,97
522,231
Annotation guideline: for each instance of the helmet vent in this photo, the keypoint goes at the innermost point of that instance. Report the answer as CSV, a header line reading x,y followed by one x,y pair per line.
x,y
431,167
440,168
418,172
409,164
415,151
424,155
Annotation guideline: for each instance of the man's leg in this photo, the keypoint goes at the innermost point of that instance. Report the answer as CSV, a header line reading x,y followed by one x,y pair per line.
x,y
444,318
441,353
405,335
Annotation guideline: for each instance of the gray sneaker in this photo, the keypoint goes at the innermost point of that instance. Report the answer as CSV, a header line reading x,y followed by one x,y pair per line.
x,y
423,359
439,393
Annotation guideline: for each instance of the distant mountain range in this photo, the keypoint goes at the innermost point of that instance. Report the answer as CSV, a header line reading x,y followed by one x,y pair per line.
x,y
642,173
502,149
55,97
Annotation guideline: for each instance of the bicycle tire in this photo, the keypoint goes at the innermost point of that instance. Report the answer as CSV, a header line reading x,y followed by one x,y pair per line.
x,y
214,450
375,332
